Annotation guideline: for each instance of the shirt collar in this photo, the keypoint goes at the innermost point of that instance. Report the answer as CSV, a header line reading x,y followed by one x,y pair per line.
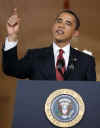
x,y
56,49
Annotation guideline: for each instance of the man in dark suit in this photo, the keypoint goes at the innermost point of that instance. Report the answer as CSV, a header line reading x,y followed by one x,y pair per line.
x,y
57,62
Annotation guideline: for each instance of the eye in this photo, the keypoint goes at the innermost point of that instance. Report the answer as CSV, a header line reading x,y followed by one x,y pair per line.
x,y
58,20
68,23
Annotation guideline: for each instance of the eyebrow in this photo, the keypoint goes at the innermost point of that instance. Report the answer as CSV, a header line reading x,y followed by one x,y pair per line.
x,y
58,18
68,21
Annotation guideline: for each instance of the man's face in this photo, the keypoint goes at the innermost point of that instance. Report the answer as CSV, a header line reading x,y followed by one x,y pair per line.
x,y
64,27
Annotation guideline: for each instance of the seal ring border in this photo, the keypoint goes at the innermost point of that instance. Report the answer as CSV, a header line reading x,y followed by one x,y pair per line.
x,y
74,94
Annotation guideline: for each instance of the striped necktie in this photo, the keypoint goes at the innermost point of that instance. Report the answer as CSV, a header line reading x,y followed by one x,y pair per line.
x,y
60,66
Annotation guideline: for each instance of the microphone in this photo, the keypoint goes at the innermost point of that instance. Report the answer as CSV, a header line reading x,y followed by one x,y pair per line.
x,y
60,64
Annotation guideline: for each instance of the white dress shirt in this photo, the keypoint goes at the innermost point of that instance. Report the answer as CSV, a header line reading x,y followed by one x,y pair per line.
x,y
66,53
66,49
9,45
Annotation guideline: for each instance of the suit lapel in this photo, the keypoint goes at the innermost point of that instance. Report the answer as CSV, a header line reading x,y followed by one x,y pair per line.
x,y
50,64
72,64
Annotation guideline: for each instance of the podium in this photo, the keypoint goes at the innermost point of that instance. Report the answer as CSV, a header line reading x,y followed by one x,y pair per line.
x,y
31,96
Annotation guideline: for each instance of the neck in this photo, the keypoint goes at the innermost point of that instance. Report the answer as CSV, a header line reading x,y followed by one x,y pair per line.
x,y
62,44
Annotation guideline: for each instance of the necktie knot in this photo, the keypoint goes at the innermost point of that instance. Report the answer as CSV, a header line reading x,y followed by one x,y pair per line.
x,y
61,53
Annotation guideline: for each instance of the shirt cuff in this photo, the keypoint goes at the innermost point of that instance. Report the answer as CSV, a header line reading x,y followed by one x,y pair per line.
x,y
9,45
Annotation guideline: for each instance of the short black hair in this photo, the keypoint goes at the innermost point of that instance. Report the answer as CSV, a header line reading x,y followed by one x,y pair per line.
x,y
72,13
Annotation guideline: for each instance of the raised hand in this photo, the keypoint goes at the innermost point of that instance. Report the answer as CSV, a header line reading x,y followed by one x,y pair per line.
x,y
13,25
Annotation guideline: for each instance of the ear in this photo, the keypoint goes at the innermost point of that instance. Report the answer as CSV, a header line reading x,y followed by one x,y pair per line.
x,y
76,33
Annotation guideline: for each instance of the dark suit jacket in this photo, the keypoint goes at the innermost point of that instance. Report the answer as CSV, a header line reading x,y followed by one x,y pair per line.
x,y
38,64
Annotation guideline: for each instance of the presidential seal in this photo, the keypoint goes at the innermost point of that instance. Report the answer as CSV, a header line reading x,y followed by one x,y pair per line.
x,y
64,108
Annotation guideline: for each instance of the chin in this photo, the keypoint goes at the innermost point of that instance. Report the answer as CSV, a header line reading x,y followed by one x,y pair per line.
x,y
60,40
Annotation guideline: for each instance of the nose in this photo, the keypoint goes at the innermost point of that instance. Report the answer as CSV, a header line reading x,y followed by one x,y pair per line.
x,y
61,25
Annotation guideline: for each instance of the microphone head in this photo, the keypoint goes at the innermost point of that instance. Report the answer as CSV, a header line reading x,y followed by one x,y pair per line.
x,y
61,63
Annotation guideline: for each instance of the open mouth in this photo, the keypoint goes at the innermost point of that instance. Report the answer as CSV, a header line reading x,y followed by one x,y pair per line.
x,y
60,32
